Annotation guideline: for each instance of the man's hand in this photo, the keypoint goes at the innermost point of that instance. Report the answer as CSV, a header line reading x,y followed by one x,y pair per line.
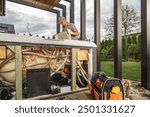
x,y
73,33
70,32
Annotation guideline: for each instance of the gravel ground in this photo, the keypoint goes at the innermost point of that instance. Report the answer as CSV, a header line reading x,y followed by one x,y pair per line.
x,y
137,92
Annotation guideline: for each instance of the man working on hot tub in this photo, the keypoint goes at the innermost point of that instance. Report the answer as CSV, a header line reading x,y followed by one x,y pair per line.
x,y
69,27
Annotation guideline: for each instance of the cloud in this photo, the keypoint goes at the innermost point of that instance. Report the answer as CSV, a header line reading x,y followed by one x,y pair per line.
x,y
38,24
42,22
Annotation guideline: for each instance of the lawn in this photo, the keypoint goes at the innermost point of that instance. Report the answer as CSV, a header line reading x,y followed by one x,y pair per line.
x,y
130,70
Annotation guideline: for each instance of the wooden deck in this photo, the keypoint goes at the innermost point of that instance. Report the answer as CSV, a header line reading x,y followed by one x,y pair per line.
x,y
83,94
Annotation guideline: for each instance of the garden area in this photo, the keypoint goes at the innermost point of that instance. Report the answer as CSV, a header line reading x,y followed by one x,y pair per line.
x,y
131,57
130,70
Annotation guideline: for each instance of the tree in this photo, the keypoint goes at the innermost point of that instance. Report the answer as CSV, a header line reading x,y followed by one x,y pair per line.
x,y
130,22
139,40
139,47
134,38
102,44
107,49
129,39
105,53
106,44
109,43
133,51
124,46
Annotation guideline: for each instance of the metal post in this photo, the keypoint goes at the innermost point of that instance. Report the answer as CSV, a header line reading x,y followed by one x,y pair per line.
x,y
18,66
58,25
58,15
83,19
97,63
145,43
63,7
2,7
71,10
117,39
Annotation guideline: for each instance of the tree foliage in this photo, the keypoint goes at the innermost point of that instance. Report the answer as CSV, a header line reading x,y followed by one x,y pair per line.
x,y
131,48
130,22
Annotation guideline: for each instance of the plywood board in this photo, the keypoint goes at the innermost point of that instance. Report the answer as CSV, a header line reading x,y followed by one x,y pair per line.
x,y
3,52
82,55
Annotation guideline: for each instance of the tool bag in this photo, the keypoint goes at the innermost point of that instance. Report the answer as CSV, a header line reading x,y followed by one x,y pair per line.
x,y
105,88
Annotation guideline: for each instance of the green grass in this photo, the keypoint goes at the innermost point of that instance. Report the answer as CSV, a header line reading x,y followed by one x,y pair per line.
x,y
130,70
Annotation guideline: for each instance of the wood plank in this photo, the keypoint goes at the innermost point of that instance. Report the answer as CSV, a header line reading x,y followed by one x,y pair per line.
x,y
45,97
18,66
85,95
41,4
74,66
56,2
49,2
35,3
12,48
53,2
42,1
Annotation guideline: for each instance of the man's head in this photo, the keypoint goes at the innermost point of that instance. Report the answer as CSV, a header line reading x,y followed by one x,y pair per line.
x,y
62,20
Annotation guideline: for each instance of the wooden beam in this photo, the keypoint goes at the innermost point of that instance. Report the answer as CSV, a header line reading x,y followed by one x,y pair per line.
x,y
18,66
51,2
48,2
74,71
35,4
12,48
49,97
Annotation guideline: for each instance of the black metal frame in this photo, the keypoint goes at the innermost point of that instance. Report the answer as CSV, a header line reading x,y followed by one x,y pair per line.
x,y
58,15
63,7
117,39
2,9
83,19
145,43
97,58
71,10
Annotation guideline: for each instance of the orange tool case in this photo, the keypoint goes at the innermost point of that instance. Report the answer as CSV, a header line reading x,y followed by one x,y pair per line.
x,y
104,88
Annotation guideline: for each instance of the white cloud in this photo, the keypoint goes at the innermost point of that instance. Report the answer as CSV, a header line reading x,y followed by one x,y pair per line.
x,y
43,22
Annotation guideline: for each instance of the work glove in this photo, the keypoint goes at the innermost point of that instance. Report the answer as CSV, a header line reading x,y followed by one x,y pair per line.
x,y
70,32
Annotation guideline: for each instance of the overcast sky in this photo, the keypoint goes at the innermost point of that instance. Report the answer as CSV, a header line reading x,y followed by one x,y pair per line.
x,y
44,23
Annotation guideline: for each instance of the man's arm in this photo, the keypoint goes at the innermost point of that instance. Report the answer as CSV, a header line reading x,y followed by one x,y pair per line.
x,y
75,32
